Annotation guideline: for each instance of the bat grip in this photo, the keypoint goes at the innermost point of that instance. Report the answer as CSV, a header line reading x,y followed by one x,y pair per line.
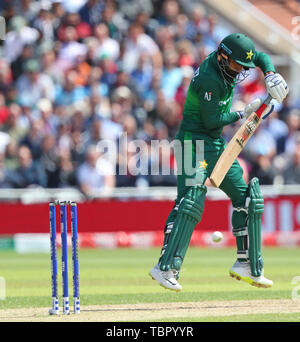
x,y
263,106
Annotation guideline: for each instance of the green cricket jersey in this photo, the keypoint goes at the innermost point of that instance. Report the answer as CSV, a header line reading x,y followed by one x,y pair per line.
x,y
209,98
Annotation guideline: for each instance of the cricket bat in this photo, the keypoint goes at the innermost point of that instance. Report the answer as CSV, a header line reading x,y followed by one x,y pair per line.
x,y
236,144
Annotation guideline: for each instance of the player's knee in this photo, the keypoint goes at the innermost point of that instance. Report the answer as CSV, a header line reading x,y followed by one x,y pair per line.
x,y
256,202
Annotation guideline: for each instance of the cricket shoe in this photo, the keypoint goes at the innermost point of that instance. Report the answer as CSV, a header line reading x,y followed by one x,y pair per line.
x,y
167,279
242,271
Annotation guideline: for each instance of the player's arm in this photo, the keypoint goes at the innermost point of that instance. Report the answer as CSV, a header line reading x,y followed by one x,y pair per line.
x,y
275,83
263,61
210,95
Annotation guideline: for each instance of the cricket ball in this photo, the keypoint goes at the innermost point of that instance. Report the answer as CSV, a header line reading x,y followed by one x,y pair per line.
x,y
217,236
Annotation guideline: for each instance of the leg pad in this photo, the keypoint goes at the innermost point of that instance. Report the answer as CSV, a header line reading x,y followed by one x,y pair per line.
x,y
189,214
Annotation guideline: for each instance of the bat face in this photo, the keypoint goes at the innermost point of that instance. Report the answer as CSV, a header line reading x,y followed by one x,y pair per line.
x,y
252,121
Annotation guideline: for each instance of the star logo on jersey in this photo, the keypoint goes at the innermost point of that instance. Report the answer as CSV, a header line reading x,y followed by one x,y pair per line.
x,y
203,165
249,54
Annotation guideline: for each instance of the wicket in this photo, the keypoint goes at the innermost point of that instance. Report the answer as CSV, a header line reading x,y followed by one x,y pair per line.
x,y
53,252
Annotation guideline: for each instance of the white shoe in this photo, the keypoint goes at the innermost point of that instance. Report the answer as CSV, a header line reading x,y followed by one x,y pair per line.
x,y
166,279
242,271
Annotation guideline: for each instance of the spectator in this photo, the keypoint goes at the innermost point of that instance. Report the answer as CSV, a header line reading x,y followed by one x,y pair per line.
x,y
11,156
34,85
63,137
172,75
49,122
139,43
27,9
91,11
77,121
66,170
4,174
28,173
18,36
262,168
4,141
95,174
107,47
71,50
214,34
93,135
83,29
130,127
132,8
58,11
278,129
181,27
69,93
109,68
293,123
285,109
33,139
99,105
169,13
124,97
186,53
291,173
11,95
13,125
17,66
149,23
95,86
112,126
77,149
4,111
115,21
187,75
153,93
142,76
49,160
48,62
123,81
6,77
44,23
165,38
172,117
198,22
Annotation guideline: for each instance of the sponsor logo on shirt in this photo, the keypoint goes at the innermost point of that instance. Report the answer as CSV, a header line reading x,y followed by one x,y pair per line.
x,y
224,103
207,96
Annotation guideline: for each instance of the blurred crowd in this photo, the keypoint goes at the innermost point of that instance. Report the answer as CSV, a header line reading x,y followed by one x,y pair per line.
x,y
75,72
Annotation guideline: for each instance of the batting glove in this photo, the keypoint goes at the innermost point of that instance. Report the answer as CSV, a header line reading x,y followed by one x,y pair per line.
x,y
253,106
276,86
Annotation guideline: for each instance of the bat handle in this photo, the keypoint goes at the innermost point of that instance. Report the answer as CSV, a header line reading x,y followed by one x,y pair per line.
x,y
263,106
268,99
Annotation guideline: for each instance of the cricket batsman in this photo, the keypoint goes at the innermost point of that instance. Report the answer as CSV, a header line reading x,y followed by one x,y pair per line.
x,y
206,112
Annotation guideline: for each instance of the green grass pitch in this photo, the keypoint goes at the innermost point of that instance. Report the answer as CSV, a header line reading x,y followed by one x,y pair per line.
x,y
120,276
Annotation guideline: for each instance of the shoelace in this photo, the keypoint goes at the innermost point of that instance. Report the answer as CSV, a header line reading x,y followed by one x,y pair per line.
x,y
168,274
